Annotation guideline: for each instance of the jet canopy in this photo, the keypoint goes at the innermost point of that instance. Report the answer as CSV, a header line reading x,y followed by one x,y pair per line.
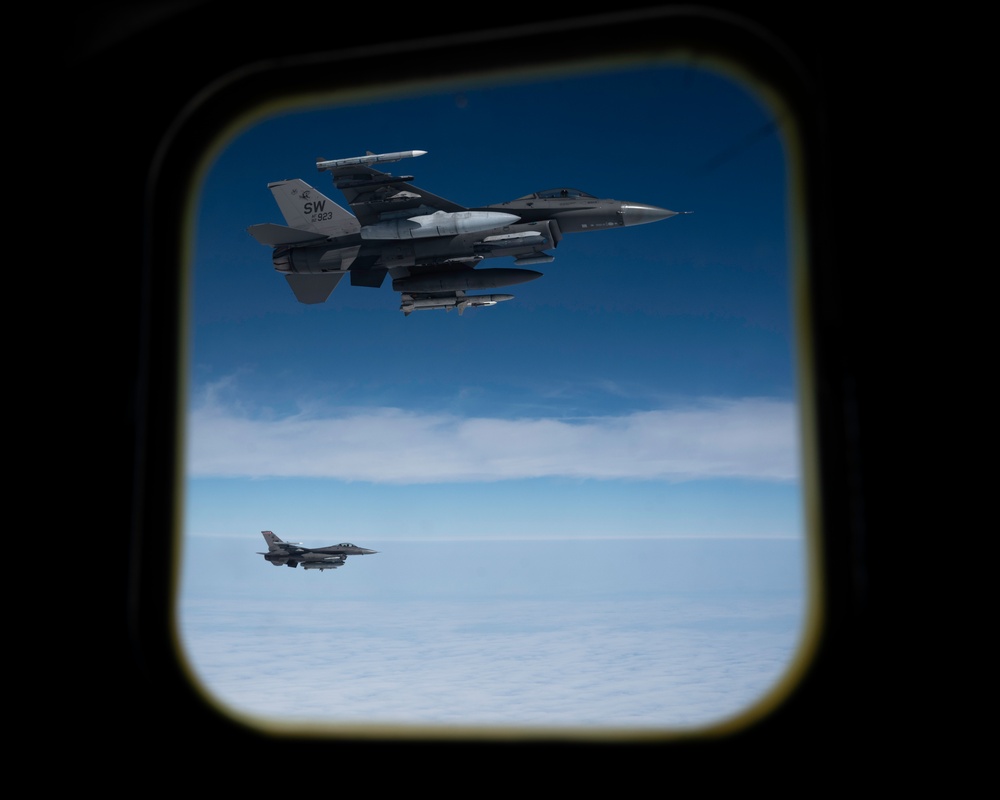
x,y
549,194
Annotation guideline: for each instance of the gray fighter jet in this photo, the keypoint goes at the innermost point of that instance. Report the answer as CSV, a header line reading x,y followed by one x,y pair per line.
x,y
430,246
291,554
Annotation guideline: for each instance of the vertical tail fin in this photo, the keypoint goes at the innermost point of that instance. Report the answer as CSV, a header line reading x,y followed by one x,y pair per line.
x,y
270,538
307,208
275,554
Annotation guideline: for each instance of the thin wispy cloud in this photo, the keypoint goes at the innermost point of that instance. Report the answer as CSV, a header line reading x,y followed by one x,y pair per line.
x,y
752,438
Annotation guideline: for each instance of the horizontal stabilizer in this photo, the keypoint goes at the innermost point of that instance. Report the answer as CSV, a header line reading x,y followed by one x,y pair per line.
x,y
270,234
314,288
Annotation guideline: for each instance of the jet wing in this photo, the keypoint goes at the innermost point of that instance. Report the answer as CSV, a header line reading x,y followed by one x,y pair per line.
x,y
374,195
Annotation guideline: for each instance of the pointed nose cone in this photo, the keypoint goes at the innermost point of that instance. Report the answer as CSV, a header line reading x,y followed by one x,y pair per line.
x,y
640,213
367,552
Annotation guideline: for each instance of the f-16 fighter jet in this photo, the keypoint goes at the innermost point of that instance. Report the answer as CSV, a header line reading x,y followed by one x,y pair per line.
x,y
291,554
430,246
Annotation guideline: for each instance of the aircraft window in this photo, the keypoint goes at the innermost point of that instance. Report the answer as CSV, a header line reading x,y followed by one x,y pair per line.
x,y
649,452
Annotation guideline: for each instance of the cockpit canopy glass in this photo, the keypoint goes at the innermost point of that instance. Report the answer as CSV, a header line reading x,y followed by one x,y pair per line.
x,y
551,193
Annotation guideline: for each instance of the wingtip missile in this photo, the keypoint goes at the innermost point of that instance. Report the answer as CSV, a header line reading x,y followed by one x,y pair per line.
x,y
371,158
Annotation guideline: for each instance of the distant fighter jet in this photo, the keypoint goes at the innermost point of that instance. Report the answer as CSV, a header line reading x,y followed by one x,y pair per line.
x,y
429,245
291,554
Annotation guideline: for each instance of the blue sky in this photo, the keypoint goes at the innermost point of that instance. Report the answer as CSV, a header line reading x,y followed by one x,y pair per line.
x,y
643,389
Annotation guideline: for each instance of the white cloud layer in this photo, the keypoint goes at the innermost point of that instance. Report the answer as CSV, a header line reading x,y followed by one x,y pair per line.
x,y
662,662
753,438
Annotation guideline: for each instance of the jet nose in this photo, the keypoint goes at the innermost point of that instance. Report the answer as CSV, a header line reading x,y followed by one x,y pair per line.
x,y
366,552
640,213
